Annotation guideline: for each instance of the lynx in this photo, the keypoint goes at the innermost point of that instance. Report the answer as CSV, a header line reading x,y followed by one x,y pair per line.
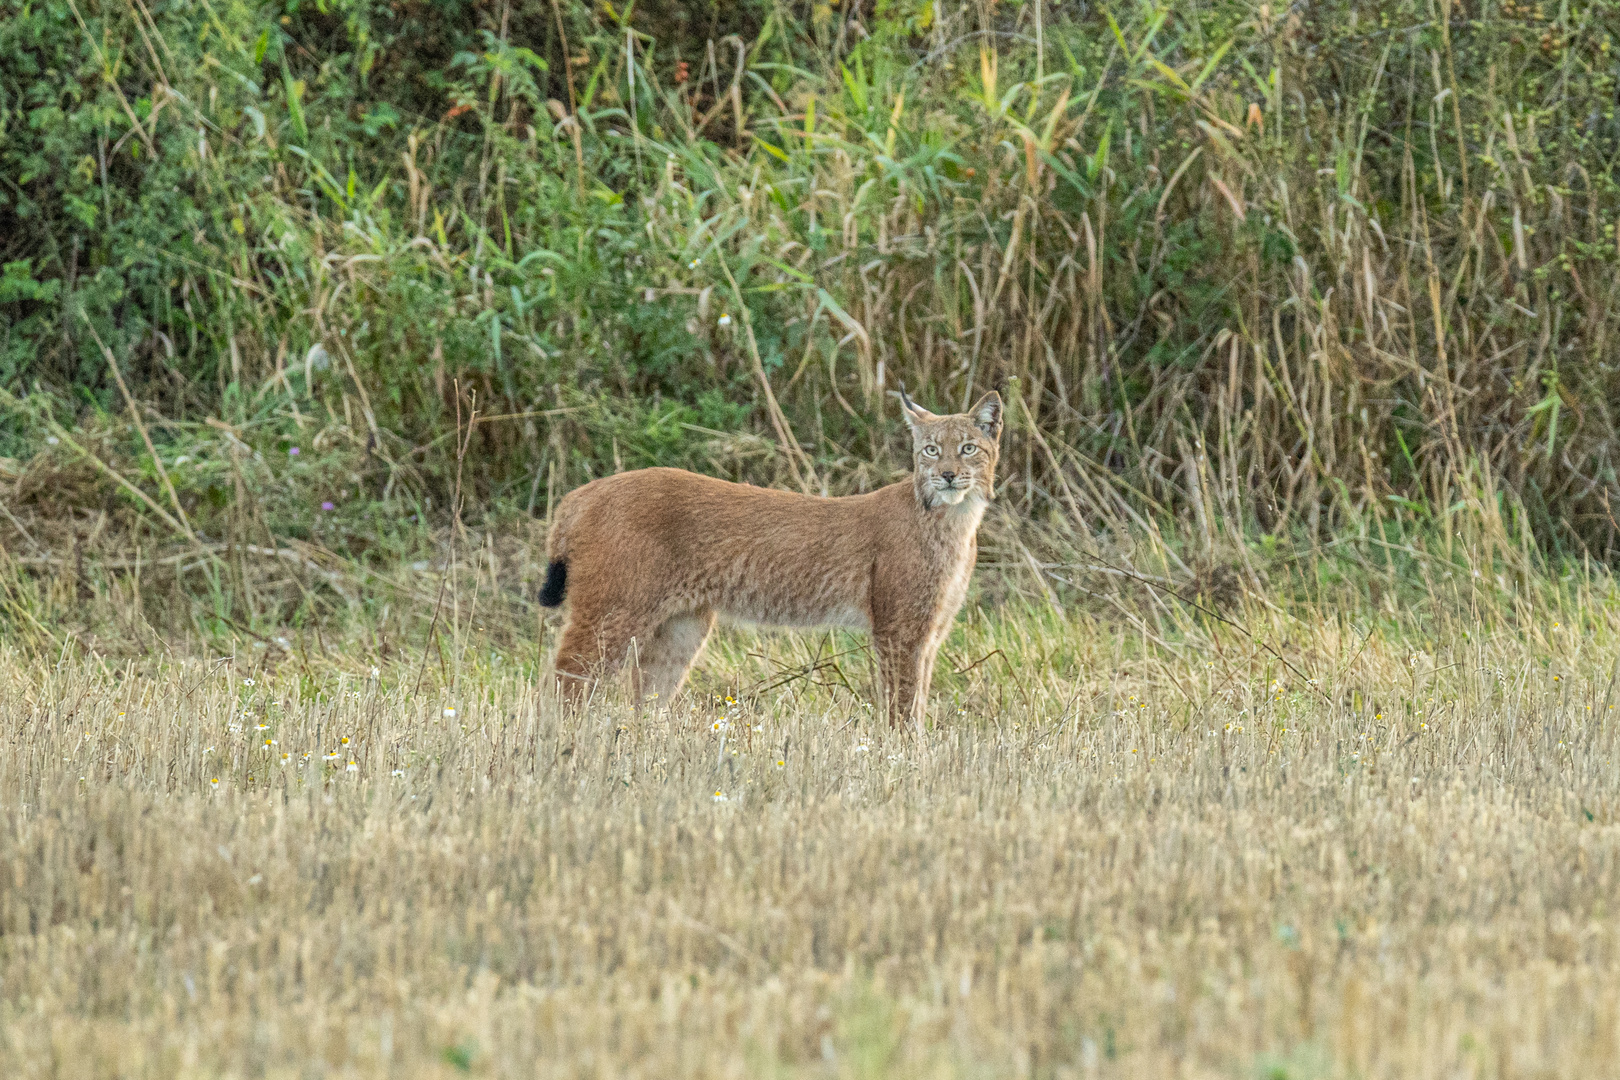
x,y
649,559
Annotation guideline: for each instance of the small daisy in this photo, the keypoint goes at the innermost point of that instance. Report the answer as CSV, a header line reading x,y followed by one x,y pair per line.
x,y
720,796
353,766
449,714
725,321
214,782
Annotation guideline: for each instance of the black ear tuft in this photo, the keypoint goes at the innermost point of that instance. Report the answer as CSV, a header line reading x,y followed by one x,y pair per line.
x,y
556,586
914,414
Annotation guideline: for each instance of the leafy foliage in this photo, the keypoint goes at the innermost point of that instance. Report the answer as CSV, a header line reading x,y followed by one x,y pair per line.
x,y
1301,270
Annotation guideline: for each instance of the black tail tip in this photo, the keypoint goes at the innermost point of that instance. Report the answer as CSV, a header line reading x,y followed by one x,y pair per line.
x,y
551,593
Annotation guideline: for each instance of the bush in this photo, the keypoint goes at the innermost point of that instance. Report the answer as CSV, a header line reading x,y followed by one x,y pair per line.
x,y
1348,266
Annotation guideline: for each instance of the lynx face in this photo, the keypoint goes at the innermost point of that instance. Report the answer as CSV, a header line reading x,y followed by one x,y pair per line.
x,y
955,455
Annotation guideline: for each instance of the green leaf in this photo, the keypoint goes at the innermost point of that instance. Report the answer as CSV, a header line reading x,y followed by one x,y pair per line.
x,y
830,305
532,58
1153,29
1119,35
771,150
1099,159
786,269
295,108
17,283
855,86
1209,65
1077,70
1170,73
1400,440
1067,173
262,46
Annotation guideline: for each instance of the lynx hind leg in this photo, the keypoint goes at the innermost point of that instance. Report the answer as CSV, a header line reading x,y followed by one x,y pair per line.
x,y
667,656
578,660
592,650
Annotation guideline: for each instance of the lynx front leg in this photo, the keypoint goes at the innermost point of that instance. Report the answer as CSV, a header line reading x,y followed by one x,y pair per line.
x,y
925,683
901,671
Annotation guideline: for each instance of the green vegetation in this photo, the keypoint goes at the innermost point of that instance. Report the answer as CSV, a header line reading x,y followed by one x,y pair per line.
x,y
1284,275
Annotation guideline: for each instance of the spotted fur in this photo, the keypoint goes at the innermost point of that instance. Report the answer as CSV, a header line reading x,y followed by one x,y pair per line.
x,y
651,558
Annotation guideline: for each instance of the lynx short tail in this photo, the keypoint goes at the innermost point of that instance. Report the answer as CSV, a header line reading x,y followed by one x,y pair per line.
x,y
556,586
562,523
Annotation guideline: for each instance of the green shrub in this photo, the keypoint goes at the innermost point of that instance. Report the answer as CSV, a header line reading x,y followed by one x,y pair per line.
x,y
1294,270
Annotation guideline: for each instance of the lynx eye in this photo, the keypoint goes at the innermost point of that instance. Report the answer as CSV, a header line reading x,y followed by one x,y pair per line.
x,y
969,448
931,451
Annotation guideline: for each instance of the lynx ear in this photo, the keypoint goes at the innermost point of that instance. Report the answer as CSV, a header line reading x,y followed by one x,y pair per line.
x,y
915,414
987,414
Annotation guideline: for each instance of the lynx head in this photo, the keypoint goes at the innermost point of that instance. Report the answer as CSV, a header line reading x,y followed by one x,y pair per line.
x,y
955,455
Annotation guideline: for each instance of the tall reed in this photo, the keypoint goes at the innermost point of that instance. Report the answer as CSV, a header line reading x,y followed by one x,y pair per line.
x,y
1245,274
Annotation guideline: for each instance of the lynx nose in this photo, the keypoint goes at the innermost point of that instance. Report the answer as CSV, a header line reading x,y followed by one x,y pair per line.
x,y
948,477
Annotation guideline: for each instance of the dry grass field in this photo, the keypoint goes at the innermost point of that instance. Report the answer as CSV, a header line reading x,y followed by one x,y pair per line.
x,y
1120,851
310,314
